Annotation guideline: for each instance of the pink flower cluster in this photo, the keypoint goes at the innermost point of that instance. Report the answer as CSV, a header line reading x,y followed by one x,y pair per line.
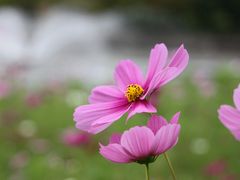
x,y
133,93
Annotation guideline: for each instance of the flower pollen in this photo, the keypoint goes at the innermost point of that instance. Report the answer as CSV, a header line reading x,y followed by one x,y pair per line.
x,y
133,92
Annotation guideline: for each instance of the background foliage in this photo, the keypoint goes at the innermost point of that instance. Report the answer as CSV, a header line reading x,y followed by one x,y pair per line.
x,y
203,138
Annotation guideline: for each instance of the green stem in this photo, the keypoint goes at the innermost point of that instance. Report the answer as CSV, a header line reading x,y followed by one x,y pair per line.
x,y
170,166
147,171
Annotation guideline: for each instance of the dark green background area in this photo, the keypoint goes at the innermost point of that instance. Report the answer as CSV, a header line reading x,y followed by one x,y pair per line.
x,y
217,16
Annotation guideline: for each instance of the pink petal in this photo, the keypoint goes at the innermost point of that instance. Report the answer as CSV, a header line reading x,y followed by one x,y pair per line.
x,y
110,117
230,117
179,60
166,138
115,153
170,75
173,69
141,106
175,118
126,73
236,134
236,97
105,94
157,61
138,141
158,80
97,128
106,113
115,138
156,122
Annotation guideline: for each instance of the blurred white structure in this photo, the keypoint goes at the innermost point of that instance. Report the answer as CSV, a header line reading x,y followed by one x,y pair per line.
x,y
13,35
59,44
62,44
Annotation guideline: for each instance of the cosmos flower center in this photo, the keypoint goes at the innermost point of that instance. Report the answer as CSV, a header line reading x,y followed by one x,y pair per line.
x,y
133,92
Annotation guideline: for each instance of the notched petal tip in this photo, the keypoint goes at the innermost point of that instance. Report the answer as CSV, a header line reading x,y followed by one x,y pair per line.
x,y
166,138
159,45
175,118
156,122
101,145
180,58
181,46
157,61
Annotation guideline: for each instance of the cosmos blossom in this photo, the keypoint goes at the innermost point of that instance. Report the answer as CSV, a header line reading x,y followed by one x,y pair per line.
x,y
132,92
230,116
143,144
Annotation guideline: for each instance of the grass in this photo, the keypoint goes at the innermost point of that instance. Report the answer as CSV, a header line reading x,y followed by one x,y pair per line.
x,y
203,138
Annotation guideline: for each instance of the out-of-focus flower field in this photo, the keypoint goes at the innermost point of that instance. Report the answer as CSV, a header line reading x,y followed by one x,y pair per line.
x,y
38,139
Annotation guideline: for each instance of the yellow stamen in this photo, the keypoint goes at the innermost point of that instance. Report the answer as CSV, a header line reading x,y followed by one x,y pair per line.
x,y
133,92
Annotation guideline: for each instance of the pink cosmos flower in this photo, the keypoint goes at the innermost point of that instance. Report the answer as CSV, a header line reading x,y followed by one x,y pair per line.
x,y
143,144
132,92
230,116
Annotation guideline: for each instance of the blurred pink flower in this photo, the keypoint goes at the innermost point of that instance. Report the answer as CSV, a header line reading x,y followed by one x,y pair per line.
x,y
132,91
230,116
19,160
39,145
75,138
216,168
10,116
205,85
16,70
4,89
55,86
143,144
34,100
230,177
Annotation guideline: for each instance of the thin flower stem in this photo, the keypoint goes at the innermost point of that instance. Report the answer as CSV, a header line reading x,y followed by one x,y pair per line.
x,y
170,166
147,172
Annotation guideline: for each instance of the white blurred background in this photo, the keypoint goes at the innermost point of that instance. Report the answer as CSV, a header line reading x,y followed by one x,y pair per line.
x,y
60,43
